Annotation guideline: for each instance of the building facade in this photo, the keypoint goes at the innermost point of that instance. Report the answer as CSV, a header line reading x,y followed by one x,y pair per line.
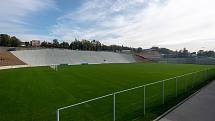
x,y
35,43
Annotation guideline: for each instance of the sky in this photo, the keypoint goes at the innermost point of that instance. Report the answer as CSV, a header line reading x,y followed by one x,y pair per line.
x,y
173,24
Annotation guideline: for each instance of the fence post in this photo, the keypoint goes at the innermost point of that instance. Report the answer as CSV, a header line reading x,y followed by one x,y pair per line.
x,y
193,80
204,76
203,72
176,86
185,85
58,115
114,106
144,100
163,92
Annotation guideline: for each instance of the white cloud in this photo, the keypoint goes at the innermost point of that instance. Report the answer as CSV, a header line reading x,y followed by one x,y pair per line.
x,y
15,12
146,23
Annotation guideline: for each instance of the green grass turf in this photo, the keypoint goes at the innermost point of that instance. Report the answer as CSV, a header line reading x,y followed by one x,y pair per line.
x,y
34,94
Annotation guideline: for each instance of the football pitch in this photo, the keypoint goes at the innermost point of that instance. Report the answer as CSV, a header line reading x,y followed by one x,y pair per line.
x,y
34,94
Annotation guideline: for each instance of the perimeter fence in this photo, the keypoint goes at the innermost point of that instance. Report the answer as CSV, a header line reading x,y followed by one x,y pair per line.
x,y
128,104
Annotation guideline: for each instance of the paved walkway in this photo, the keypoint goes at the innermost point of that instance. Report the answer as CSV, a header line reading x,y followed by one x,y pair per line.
x,y
201,107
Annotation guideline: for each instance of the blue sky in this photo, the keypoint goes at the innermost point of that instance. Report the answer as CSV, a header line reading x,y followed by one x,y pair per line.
x,y
138,23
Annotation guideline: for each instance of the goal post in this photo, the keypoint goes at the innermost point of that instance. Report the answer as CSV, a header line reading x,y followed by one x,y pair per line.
x,y
54,67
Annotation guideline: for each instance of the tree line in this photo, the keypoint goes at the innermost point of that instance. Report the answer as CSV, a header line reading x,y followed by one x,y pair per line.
x,y
183,53
92,45
12,41
6,40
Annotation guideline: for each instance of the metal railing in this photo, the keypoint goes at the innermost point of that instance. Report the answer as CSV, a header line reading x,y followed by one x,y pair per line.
x,y
175,84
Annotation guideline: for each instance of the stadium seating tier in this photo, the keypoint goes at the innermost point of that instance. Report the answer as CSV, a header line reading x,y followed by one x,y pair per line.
x,y
45,57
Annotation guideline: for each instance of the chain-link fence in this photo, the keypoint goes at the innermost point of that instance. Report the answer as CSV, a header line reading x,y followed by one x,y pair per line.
x,y
128,104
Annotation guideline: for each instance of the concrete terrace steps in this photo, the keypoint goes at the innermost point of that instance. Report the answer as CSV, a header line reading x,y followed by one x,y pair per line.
x,y
45,57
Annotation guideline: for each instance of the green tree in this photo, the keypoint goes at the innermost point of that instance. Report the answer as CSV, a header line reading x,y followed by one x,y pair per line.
x,y
14,42
4,40
200,53
64,45
56,43
27,44
44,44
139,49
76,45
